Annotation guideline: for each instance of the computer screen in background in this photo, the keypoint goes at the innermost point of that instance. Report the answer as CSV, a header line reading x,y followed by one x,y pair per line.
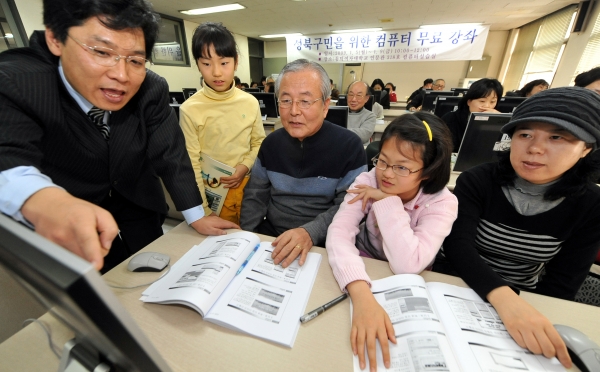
x,y
256,90
459,92
509,104
445,104
369,103
429,99
338,115
482,140
176,98
342,100
188,92
267,103
75,294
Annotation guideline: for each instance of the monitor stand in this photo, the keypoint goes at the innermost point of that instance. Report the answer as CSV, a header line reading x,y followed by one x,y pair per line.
x,y
78,358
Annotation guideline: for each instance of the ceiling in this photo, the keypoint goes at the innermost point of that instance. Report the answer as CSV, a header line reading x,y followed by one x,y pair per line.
x,y
322,16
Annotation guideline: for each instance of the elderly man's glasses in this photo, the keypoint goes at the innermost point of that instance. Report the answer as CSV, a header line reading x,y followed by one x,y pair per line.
x,y
357,96
108,57
303,104
397,169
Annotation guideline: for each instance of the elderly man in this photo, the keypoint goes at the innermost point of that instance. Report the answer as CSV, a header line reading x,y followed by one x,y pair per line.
x,y
303,170
439,84
86,130
360,120
417,102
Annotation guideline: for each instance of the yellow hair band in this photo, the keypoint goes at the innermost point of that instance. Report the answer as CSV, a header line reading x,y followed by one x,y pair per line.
x,y
428,130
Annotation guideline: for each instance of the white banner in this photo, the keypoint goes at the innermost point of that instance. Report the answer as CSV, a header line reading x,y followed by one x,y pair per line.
x,y
446,43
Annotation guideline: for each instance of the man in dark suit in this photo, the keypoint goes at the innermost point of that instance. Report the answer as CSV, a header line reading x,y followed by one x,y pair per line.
x,y
86,131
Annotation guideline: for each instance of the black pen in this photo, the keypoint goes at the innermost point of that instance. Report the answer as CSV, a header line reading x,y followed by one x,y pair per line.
x,y
320,310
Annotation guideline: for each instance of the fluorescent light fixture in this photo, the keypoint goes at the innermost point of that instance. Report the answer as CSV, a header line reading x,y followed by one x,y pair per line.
x,y
279,35
358,30
9,36
213,9
448,25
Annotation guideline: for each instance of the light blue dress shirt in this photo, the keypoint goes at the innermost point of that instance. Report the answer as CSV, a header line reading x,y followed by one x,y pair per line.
x,y
19,183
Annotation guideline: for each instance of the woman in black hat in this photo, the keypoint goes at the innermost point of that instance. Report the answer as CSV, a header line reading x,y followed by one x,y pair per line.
x,y
530,222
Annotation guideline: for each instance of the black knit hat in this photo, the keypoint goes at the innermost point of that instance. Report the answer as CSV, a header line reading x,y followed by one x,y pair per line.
x,y
575,109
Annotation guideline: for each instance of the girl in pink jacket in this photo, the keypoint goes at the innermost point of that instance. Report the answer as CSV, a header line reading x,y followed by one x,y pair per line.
x,y
400,211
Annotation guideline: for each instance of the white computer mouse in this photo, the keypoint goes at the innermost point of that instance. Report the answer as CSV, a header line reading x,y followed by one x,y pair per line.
x,y
148,261
584,352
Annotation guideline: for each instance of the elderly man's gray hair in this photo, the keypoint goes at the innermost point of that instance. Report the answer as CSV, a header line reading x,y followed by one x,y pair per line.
x,y
301,65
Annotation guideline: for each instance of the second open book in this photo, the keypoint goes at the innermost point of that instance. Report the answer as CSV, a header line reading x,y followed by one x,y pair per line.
x,y
442,327
231,281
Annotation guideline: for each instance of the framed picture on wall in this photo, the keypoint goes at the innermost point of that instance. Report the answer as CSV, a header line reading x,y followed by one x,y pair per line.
x,y
171,46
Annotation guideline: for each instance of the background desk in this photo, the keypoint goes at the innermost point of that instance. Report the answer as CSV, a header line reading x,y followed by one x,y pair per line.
x,y
393,113
189,344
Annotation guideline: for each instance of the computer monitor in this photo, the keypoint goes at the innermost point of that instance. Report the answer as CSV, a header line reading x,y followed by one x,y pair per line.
x,y
267,103
188,92
429,99
261,88
482,140
338,115
445,104
385,99
176,98
459,92
75,294
369,103
255,90
342,100
509,104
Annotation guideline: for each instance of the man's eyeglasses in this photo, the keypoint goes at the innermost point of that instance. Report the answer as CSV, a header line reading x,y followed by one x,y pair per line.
x,y
358,96
397,169
302,104
108,57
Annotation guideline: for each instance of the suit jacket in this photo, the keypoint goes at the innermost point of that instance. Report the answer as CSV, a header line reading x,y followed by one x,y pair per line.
x,y
41,125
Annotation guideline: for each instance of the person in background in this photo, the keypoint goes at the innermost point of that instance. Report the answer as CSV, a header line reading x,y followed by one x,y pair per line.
x,y
237,82
82,153
331,84
263,81
221,121
335,94
380,218
392,89
530,221
377,84
439,84
416,103
531,88
426,85
482,96
360,120
589,79
245,86
270,87
294,197
253,84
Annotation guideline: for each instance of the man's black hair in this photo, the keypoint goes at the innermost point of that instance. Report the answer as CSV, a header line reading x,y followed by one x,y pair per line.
x,y
217,35
480,89
61,15
586,78
428,81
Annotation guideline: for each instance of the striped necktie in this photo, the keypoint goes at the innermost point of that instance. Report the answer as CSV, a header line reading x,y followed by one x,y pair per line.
x,y
97,116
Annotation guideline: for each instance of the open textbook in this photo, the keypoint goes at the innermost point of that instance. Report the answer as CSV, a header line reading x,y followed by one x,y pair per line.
x,y
231,281
212,171
442,327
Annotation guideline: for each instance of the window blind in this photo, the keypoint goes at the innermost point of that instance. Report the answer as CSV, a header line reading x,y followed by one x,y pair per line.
x,y
591,53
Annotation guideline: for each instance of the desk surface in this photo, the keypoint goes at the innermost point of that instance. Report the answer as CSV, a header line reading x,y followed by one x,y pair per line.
x,y
188,343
